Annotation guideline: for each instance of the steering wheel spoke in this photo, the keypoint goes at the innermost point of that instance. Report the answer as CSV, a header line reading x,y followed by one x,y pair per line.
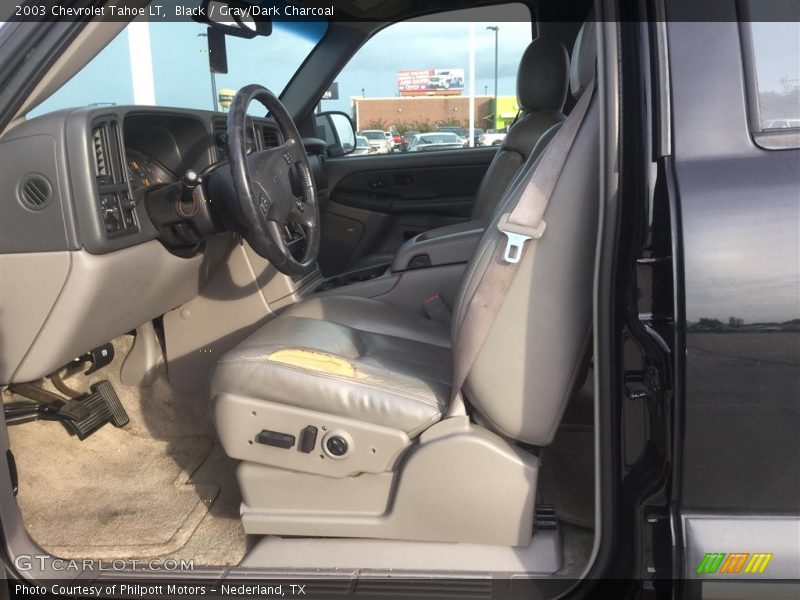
x,y
274,186
300,214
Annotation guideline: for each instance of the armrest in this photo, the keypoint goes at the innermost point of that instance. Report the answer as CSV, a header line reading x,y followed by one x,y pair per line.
x,y
444,246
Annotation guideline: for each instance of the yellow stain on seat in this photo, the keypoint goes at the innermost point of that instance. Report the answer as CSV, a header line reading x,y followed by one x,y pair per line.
x,y
322,362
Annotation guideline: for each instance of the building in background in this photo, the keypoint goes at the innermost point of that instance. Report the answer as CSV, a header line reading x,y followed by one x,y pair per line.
x,y
426,113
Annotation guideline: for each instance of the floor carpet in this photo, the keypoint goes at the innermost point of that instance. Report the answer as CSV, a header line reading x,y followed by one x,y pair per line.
x,y
160,486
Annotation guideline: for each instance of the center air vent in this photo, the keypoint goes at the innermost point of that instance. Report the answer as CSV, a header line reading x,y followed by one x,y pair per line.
x,y
100,153
36,192
270,138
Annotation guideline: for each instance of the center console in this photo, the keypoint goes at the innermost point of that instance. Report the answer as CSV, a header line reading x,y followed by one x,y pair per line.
x,y
432,262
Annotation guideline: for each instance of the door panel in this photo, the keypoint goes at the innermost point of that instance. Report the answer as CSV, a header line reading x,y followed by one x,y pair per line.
x,y
378,202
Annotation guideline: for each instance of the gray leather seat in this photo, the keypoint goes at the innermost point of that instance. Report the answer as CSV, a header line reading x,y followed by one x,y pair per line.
x,y
542,83
398,365
339,407
401,363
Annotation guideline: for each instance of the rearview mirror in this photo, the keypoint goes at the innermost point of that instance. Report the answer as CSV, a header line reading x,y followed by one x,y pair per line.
x,y
217,51
235,17
338,131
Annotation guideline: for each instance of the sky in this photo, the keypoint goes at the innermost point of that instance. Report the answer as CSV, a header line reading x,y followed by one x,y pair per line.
x,y
776,47
180,62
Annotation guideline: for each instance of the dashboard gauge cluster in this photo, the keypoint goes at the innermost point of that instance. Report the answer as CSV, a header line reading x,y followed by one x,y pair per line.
x,y
144,170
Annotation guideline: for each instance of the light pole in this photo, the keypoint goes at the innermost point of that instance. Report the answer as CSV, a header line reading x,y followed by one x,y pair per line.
x,y
496,30
213,79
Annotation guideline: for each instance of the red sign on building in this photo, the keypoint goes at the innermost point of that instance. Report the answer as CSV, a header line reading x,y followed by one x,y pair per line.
x,y
430,82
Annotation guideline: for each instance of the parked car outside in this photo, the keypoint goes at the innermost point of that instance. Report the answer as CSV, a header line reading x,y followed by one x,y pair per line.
x,y
377,139
476,136
459,131
407,137
389,138
363,147
492,137
397,138
435,141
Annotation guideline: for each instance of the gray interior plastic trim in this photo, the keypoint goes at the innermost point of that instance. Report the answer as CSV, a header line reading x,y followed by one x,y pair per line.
x,y
140,367
103,296
450,247
26,227
408,288
445,490
371,448
542,556
24,311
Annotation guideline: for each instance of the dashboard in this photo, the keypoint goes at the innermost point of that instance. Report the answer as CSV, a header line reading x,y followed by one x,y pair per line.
x,y
97,164
82,243
145,170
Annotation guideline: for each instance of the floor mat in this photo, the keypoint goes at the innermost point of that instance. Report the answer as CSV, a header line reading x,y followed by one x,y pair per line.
x,y
114,495
157,487
566,478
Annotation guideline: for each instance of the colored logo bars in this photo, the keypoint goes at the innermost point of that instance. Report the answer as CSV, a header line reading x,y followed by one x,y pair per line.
x,y
734,563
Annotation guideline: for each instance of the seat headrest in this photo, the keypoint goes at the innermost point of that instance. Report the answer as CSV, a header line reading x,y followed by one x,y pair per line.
x,y
584,57
543,76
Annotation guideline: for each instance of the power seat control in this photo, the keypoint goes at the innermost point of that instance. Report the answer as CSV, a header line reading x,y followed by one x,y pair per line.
x,y
308,439
337,445
275,438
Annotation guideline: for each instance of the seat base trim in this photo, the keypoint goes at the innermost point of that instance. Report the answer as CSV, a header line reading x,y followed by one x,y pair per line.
x,y
370,448
460,483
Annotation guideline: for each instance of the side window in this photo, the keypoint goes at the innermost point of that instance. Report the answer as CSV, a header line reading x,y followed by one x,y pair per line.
x,y
413,78
775,75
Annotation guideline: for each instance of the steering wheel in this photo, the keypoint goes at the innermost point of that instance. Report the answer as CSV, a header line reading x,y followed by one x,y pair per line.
x,y
267,199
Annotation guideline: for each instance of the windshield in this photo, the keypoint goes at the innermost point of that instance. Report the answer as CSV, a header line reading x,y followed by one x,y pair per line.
x,y
373,135
167,64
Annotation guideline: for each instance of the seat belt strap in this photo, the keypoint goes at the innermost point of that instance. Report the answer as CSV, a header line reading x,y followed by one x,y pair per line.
x,y
524,222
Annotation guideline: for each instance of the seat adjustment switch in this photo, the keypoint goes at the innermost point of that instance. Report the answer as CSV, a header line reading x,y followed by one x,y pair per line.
x,y
275,438
336,445
308,439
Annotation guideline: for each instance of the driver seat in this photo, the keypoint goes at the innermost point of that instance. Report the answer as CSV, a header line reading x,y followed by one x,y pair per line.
x,y
340,407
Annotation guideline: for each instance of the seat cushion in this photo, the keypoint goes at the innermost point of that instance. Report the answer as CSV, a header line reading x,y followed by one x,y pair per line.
x,y
352,357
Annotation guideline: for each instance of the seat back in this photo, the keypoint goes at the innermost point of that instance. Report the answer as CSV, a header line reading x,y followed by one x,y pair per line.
x,y
542,82
531,358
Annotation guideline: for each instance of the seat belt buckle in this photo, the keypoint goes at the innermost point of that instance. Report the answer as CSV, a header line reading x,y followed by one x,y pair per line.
x,y
516,236
436,309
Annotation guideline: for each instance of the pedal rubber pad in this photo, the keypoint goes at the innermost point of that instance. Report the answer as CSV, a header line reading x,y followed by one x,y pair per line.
x,y
88,413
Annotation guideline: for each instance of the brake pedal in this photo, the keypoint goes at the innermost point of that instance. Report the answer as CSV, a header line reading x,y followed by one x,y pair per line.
x,y
82,415
86,414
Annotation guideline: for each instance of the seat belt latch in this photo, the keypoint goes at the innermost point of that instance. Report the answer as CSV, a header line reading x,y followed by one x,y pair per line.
x,y
516,236
436,309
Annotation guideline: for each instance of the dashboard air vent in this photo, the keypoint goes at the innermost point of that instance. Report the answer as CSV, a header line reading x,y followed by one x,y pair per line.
x,y
270,137
36,192
100,146
107,152
221,140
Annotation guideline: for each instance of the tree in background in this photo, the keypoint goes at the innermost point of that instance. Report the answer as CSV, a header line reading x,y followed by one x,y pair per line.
x,y
375,124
